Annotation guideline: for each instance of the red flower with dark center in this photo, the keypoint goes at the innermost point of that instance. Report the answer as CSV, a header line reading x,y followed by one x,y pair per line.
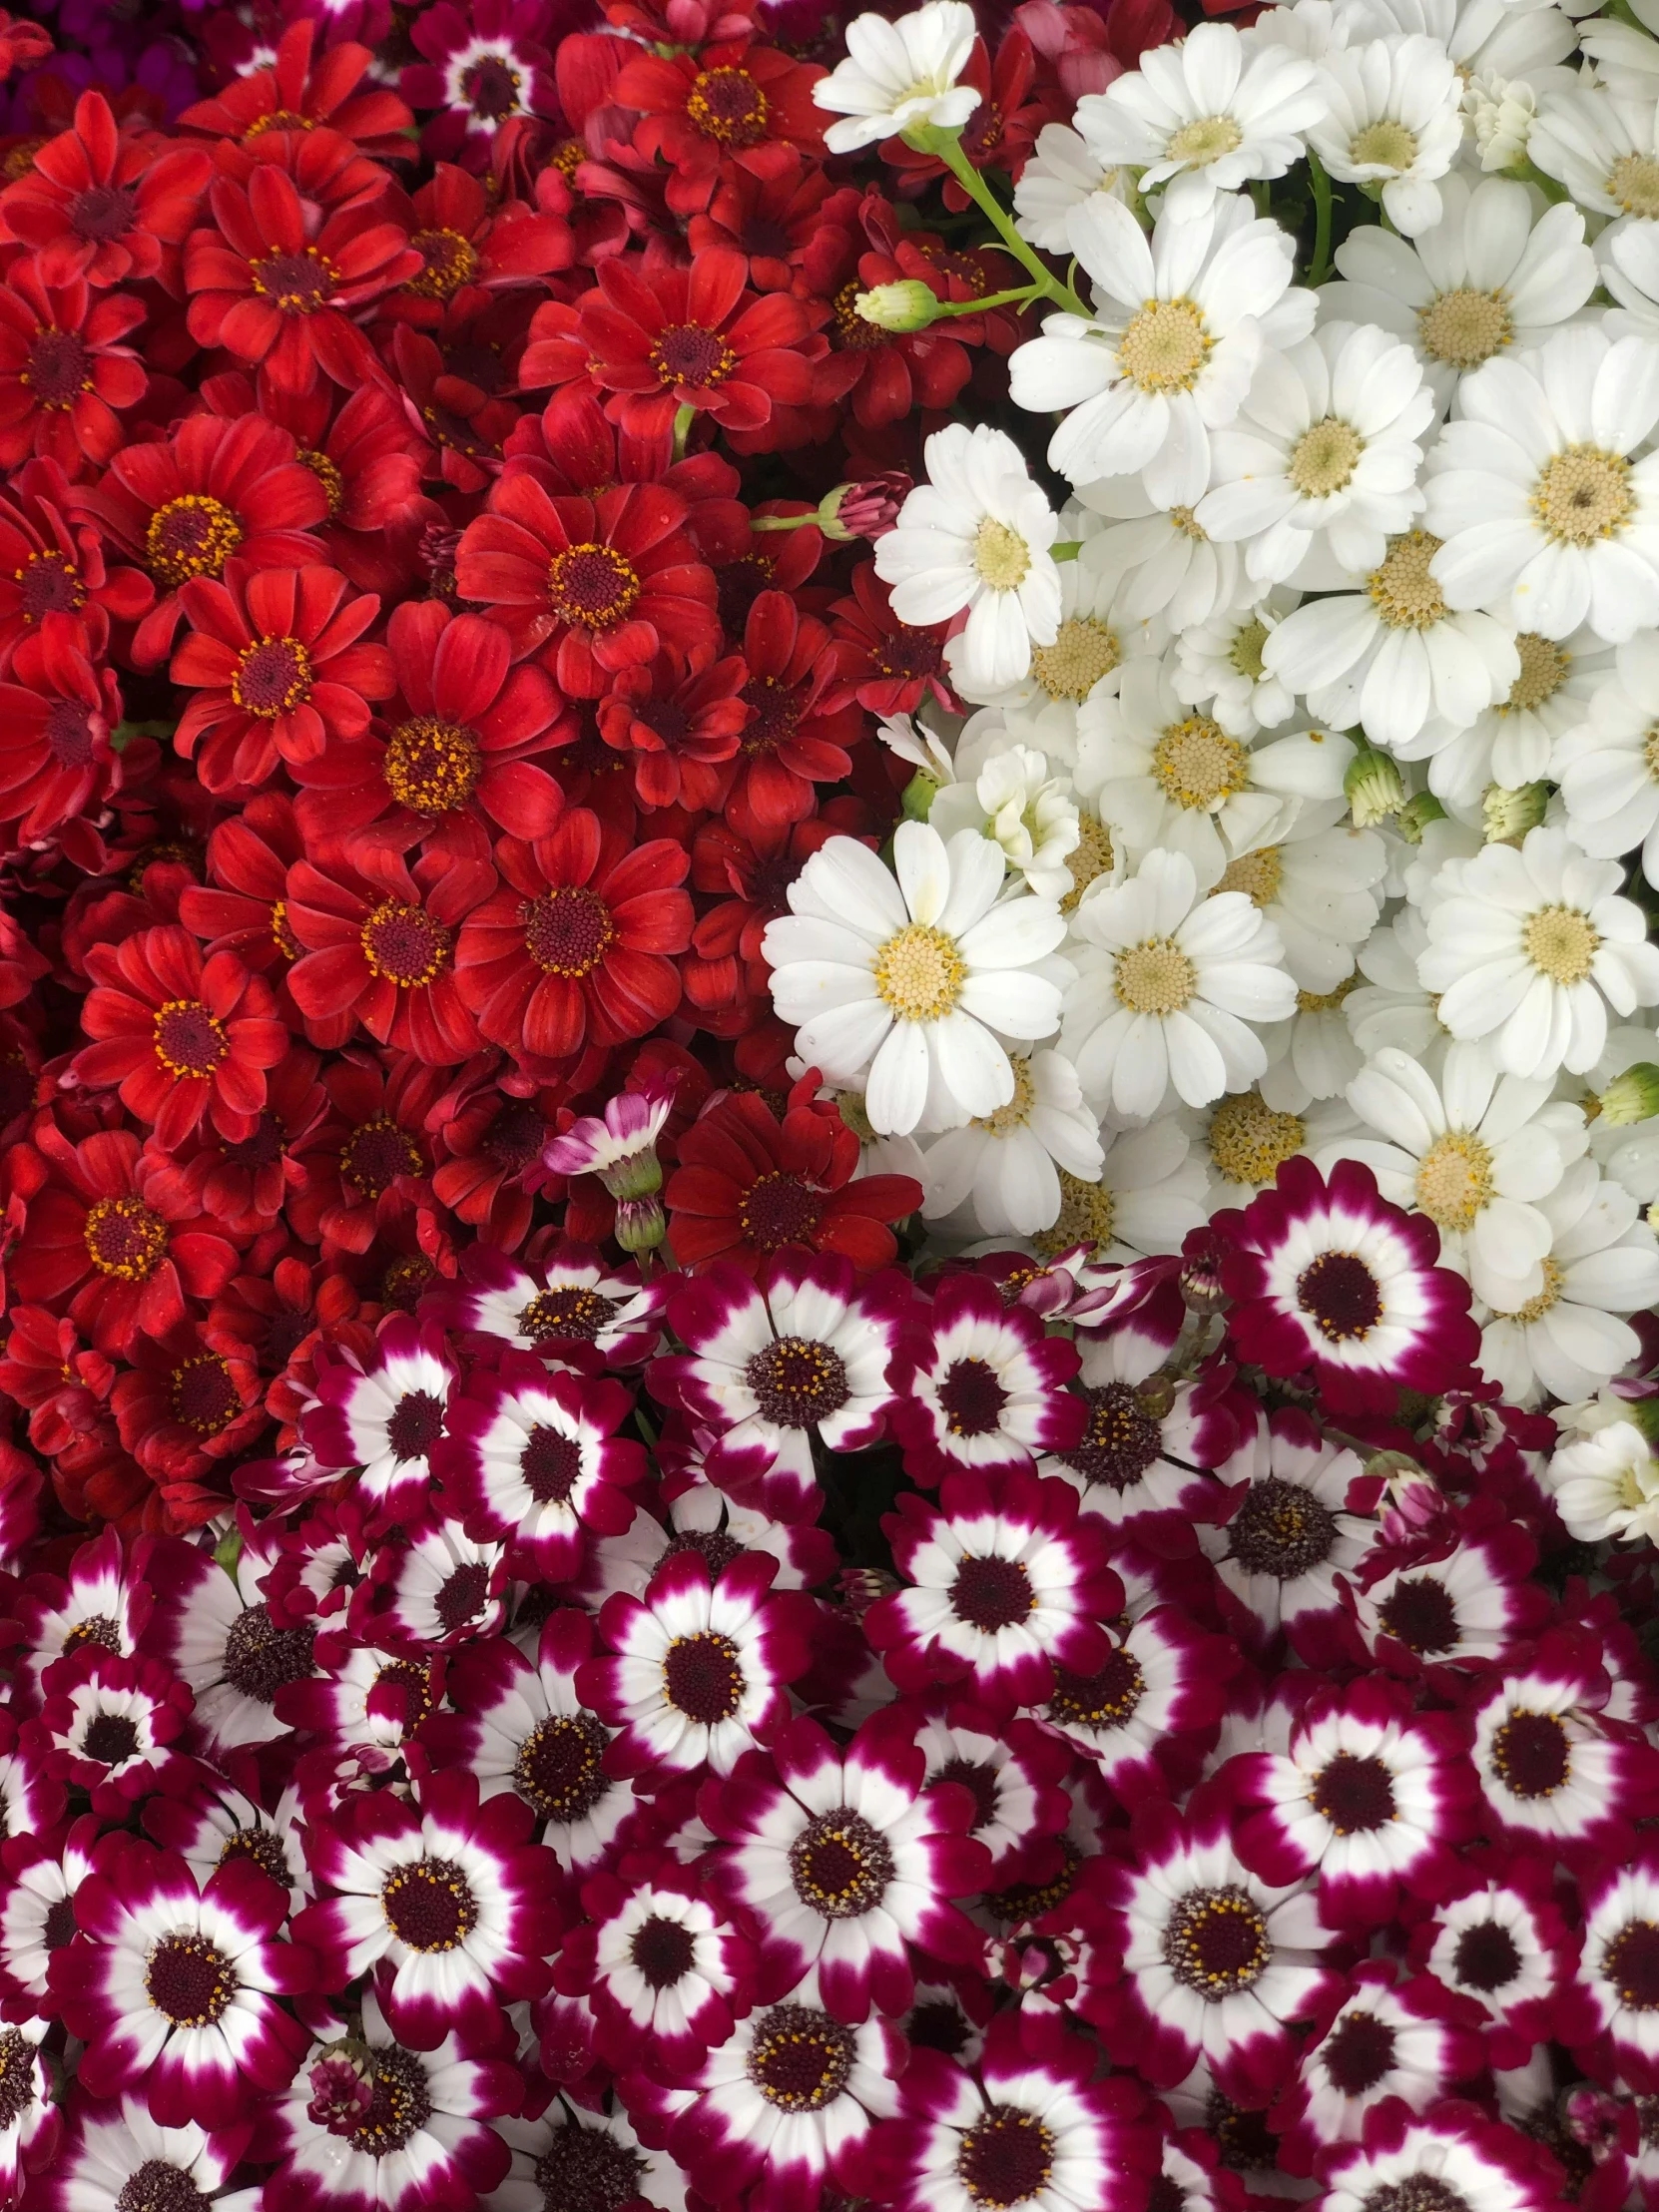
x,y
243,907
891,667
184,505
106,1243
680,724
243,1181
571,450
58,1381
749,1185
297,91
379,942
59,713
484,65
94,203
64,372
277,671
181,1036
578,944
600,583
492,1146
52,563
798,732
181,1406
465,426
279,1321
888,374
469,242
794,225
731,107
365,1169
271,291
462,732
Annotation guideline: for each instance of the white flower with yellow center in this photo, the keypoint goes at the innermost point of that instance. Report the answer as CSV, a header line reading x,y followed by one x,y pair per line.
x,y
1021,808
1096,639
1181,321
1148,1197
1248,1140
910,982
1392,123
900,75
1603,1262
1475,1152
1163,775
1311,1057
1204,115
1513,742
1528,949
1494,273
1606,1486
1061,172
1160,563
1221,665
1603,146
1609,767
1168,985
1545,518
1003,1168
976,536
1321,886
1518,38
1322,465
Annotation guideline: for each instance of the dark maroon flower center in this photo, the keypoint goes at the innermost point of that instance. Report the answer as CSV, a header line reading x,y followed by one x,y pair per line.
x,y
1217,1942
261,1150
906,655
703,1679
798,1383
271,677
559,1769
738,584
591,586
1340,1294
58,1927
514,1139
971,1399
430,1905
375,1155
431,766
1358,2052
686,353
59,369
462,1596
1103,1699
775,713
567,1309
727,106
1419,1614
67,732
103,213
1418,2193
1632,1963
841,1866
801,2058
204,1395
401,1694
778,1209
585,2169
50,586
668,720
1121,1440
993,1593
265,1848
447,261
295,284
260,1657
1354,1795
194,536
1167,2195
566,931
1005,2158
663,1950
1281,1530
550,1463
1029,1901
416,1425
158,2186
404,945
1486,1958
189,1043
1247,2143
1532,1752
765,239
110,1739
125,1238
399,2107
491,86
713,1546
189,1981
978,1778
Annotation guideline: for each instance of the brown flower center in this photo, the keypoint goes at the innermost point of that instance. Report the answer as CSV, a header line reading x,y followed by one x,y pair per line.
x,y
295,284
430,1905
189,1042
591,587
431,766
727,106
404,945
125,1238
567,930
189,1981
190,536
447,261
271,677
59,369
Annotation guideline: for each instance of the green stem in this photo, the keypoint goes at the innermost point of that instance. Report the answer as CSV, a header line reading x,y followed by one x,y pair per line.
x,y
783,522
1021,294
947,146
1321,268
683,421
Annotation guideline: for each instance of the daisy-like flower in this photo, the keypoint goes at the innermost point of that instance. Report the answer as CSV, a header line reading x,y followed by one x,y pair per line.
x,y
770,1370
664,1973
1145,1716
111,1725
1060,175
1148,1196
384,1418
1217,1964
115,2148
214,1630
1602,144
1321,886
835,1860
1497,1940
1289,1546
1181,324
1393,120
1549,1772
1545,517
100,1600
574,1307
1471,1610
907,982
1454,2155
1170,985
436,1586
1019,805
1158,561
1205,114
1005,1167
1014,1772
1607,780
448,1892
697,1667
566,2138
481,65
1386,2040
1603,1262
37,1915
1619,1963
900,76
174,1986
1006,1583
32,2127
1219,663
981,1386
1492,275
1606,1485
976,538
1528,949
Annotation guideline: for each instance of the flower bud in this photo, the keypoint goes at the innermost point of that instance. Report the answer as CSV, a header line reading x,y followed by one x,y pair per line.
x,y
867,509
920,794
1418,813
640,1224
909,304
1632,1096
1508,815
1373,787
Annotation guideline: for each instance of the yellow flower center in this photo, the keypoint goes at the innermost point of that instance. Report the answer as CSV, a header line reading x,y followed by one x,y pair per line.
x,y
920,973
1154,977
1327,1002
431,766
1584,495
1089,857
1001,555
1197,764
1464,327
1085,1217
1544,667
1384,144
1454,1179
1249,1141
1402,591
1080,656
1633,180
1258,875
1164,346
1536,1307
1244,654
1323,459
1017,1112
1205,141
1561,943
191,536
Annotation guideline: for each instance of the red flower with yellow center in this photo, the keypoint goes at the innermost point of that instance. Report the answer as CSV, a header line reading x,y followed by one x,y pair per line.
x,y
64,372
59,714
299,91
743,105
98,205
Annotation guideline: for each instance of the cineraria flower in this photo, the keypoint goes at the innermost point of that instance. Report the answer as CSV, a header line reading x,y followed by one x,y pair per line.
x,y
64,372
109,2146
1144,1717
1013,1772
908,983
1387,2040
1471,1610
1060,175
1289,1544
436,1586
665,1975
1548,1773
1619,1963
981,1385
1606,1485
1608,786
383,1418
1393,120
837,1860
900,76
573,1305
1005,1167
1015,802
33,2126
213,1627
111,1726
1453,2154
1498,1940
1603,1262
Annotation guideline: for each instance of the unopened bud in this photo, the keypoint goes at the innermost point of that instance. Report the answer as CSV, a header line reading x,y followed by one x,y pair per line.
x,y
640,1224
1632,1096
1506,815
909,304
920,794
863,1587
1418,813
1156,1397
1373,787
867,509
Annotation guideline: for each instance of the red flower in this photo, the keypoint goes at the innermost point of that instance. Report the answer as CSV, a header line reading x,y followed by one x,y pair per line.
x,y
747,866
52,563
271,293
469,428
472,244
244,909
181,1406
464,725
379,944
796,228
60,1383
243,1182
749,1185
680,723
736,106
22,44
59,714
63,369
579,943
799,728
891,667
492,1148
179,1035
109,1246
365,1169
294,93
274,662
601,582
95,205
183,506
279,1321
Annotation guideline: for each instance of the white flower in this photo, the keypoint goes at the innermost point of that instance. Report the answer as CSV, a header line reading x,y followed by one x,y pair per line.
x,y
1060,175
1312,1056
1602,146
1181,321
1390,1007
1602,1263
1516,38
916,981
1320,887
1158,562
1003,1165
1472,1152
1204,113
1219,663
1097,635
1511,744
1491,274
1394,121
976,535
1628,1151
1628,254
1030,815
1544,518
1394,657
1626,59
1148,1197
917,743
1609,767
1500,111
1529,949
899,75
1607,1485
1168,987
1323,459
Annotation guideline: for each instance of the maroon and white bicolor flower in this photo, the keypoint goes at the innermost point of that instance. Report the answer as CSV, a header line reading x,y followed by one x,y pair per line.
x,y
770,1369
214,1630
31,2122
1011,1770
664,1972
115,2159
1148,1715
1472,1609
111,1725
373,1701
37,1909
100,1601
1289,1546
383,1418
589,2157
575,1310
439,1585
840,1860
1618,1965
981,1386
1551,1769
174,1986
709,1523
1380,2039
449,1892
215,1823
1498,1942
1454,2158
